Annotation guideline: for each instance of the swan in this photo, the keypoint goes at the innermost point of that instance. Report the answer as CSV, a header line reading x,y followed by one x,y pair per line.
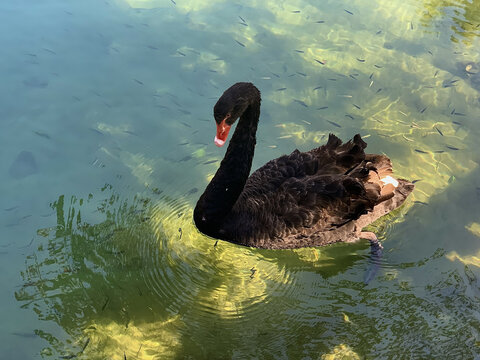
x,y
305,199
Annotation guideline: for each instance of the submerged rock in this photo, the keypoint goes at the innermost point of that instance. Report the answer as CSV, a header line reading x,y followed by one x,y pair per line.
x,y
24,165
469,71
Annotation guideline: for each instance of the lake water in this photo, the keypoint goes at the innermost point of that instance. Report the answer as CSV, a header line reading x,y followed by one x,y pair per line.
x,y
107,143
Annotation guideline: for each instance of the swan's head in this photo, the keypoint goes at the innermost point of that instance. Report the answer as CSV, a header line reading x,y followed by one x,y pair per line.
x,y
230,107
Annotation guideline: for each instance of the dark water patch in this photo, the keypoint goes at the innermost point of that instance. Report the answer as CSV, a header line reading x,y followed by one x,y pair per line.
x,y
23,165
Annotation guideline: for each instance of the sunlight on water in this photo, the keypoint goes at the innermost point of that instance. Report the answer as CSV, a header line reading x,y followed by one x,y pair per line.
x,y
108,143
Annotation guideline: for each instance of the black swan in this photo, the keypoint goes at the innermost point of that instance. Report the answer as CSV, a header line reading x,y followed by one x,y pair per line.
x,y
304,199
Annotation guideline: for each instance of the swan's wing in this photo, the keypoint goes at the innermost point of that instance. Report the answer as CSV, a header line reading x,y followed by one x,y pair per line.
x,y
322,202
333,158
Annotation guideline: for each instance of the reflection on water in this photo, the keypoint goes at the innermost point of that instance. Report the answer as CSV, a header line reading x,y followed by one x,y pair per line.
x,y
123,95
144,282
464,14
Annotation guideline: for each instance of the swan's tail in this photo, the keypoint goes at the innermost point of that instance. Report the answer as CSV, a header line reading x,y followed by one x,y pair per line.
x,y
383,189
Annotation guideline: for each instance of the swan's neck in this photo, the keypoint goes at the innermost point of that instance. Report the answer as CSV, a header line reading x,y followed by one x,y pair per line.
x,y
226,186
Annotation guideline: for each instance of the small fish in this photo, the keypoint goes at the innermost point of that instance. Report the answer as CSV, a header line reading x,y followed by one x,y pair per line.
x,y
243,20
210,162
322,108
411,25
129,132
378,91
181,53
361,60
173,2
85,346
185,158
300,73
453,112
96,131
215,245
184,143
152,47
276,75
320,62
50,51
430,52
181,233
285,137
421,151
408,139
244,24
378,32
272,146
458,114
320,21
334,124
301,103
106,303
358,107
423,110
420,202
253,270
436,73
46,136
300,51
349,116
371,76
452,147
332,79
457,123
438,130
138,81
346,96
239,43
306,122
281,89
353,77
401,112
318,87
11,208
185,124
348,12
378,66
439,151
415,181
296,11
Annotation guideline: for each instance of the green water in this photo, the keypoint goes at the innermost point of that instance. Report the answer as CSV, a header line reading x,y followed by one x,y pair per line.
x,y
108,142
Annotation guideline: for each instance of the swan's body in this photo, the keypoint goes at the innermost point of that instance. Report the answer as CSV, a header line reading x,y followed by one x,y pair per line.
x,y
306,199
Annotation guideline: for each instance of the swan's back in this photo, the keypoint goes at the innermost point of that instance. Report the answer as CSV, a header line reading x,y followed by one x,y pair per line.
x,y
315,198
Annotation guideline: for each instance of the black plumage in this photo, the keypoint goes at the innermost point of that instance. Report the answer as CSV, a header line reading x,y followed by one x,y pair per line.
x,y
312,198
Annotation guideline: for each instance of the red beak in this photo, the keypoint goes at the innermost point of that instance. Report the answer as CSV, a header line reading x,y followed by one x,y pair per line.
x,y
222,132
